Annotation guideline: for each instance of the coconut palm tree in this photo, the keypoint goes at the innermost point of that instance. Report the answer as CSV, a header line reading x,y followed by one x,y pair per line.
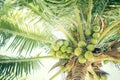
x,y
89,29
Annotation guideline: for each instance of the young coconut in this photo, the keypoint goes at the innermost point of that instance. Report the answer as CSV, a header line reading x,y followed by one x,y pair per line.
x,y
58,54
66,43
55,48
81,44
59,43
81,59
94,41
69,50
88,32
96,28
91,47
63,48
96,35
78,51
52,52
89,55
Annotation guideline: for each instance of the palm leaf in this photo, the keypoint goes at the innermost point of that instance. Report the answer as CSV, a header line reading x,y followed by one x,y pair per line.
x,y
23,45
37,33
4,37
101,8
1,4
47,10
19,23
117,65
11,67
26,36
25,39
113,4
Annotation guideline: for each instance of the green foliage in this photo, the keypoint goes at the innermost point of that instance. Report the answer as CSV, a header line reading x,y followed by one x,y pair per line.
x,y
12,25
21,44
27,25
16,66
4,36
1,4
101,8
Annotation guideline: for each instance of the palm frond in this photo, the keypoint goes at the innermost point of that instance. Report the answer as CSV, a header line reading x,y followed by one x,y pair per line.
x,y
101,8
19,24
23,46
4,37
47,10
117,65
26,36
11,67
111,15
36,33
113,4
1,4
113,35
56,7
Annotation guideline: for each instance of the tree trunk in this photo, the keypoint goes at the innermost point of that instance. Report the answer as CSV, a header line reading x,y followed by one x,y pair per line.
x,y
78,71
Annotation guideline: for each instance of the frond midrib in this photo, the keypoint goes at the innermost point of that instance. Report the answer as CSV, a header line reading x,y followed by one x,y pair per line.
x,y
24,59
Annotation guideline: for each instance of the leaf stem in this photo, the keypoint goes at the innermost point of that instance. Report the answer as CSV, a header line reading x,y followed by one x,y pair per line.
x,y
68,35
90,6
106,57
24,59
80,28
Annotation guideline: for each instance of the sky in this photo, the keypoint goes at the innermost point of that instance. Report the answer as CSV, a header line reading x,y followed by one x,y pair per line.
x,y
114,73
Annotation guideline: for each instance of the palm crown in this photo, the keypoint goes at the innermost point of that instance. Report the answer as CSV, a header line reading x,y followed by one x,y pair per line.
x,y
90,30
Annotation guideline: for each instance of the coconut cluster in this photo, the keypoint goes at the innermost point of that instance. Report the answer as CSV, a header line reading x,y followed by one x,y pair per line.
x,y
83,52
61,49
84,49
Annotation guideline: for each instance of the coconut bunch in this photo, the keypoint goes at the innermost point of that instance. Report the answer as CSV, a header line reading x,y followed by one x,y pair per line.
x,y
61,49
84,50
